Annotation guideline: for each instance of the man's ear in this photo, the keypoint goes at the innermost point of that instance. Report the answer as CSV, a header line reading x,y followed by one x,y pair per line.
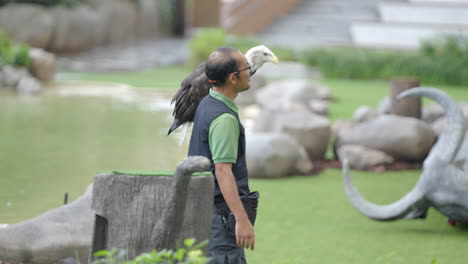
x,y
231,79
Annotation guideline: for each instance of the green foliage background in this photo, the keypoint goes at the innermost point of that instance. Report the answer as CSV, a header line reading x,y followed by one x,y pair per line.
x,y
441,60
13,54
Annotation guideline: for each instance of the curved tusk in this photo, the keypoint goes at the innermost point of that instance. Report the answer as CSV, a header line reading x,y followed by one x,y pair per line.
x,y
451,139
411,202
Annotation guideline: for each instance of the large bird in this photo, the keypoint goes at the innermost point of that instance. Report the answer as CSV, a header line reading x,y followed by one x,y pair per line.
x,y
196,86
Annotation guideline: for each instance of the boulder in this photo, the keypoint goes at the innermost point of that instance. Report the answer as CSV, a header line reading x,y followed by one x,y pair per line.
x,y
309,130
289,70
319,107
248,97
76,29
43,64
440,124
362,158
28,85
341,125
12,75
274,155
28,23
118,21
364,113
283,92
401,137
432,112
57,234
384,106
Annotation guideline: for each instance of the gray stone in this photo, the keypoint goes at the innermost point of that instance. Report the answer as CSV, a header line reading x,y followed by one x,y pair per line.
x,y
432,112
364,113
43,64
362,158
118,21
289,70
57,234
309,130
401,137
36,30
278,93
248,97
274,155
339,126
384,106
28,85
319,107
12,75
439,125
76,29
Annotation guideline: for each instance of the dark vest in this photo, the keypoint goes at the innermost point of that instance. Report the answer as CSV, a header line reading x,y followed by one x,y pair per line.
x,y
208,110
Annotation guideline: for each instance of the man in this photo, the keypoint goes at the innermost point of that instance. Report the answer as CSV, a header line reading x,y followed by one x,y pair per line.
x,y
219,135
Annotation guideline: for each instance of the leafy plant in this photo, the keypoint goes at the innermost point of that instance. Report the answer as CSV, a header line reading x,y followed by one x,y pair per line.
x,y
205,42
208,40
438,61
190,254
13,54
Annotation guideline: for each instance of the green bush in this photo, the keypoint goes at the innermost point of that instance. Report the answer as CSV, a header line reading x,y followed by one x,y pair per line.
x,y
69,3
205,42
190,254
208,40
13,54
438,61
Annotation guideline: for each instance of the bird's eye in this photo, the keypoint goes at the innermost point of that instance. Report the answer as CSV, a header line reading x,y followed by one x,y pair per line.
x,y
265,54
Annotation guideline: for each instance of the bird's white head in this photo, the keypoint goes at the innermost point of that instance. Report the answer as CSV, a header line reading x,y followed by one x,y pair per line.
x,y
257,56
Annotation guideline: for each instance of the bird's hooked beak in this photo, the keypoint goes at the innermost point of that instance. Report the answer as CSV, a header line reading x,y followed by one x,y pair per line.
x,y
274,60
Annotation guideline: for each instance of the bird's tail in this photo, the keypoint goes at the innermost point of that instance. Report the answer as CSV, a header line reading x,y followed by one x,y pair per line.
x,y
172,128
183,133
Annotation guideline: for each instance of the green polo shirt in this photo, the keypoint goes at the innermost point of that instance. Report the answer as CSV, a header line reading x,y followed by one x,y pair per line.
x,y
224,133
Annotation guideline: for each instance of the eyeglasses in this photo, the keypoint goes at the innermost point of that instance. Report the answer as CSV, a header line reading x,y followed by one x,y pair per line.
x,y
239,71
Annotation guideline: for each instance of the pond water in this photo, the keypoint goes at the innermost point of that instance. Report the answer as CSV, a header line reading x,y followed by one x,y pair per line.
x,y
55,143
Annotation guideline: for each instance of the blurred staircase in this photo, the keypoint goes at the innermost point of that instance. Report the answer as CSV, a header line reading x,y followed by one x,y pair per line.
x,y
319,22
400,24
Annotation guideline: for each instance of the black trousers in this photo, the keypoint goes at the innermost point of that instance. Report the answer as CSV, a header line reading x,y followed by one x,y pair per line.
x,y
222,247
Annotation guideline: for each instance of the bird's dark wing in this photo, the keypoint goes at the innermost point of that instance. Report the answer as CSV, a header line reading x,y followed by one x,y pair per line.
x,y
193,89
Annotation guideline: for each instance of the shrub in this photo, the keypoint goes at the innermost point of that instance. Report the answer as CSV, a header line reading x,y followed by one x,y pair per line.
x,y
190,254
438,61
13,54
208,40
205,42
69,3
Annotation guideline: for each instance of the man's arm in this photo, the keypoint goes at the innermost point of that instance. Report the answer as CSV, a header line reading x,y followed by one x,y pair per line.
x,y
245,235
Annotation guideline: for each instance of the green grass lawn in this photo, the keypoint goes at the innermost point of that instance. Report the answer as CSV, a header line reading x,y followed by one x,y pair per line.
x,y
310,220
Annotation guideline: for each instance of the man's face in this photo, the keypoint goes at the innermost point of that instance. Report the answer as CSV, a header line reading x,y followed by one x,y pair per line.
x,y
243,75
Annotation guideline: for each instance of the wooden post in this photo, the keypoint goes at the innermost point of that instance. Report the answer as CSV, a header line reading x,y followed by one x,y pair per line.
x,y
410,106
179,18
131,208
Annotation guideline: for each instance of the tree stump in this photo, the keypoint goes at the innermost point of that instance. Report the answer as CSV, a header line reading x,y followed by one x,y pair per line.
x,y
141,212
410,106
